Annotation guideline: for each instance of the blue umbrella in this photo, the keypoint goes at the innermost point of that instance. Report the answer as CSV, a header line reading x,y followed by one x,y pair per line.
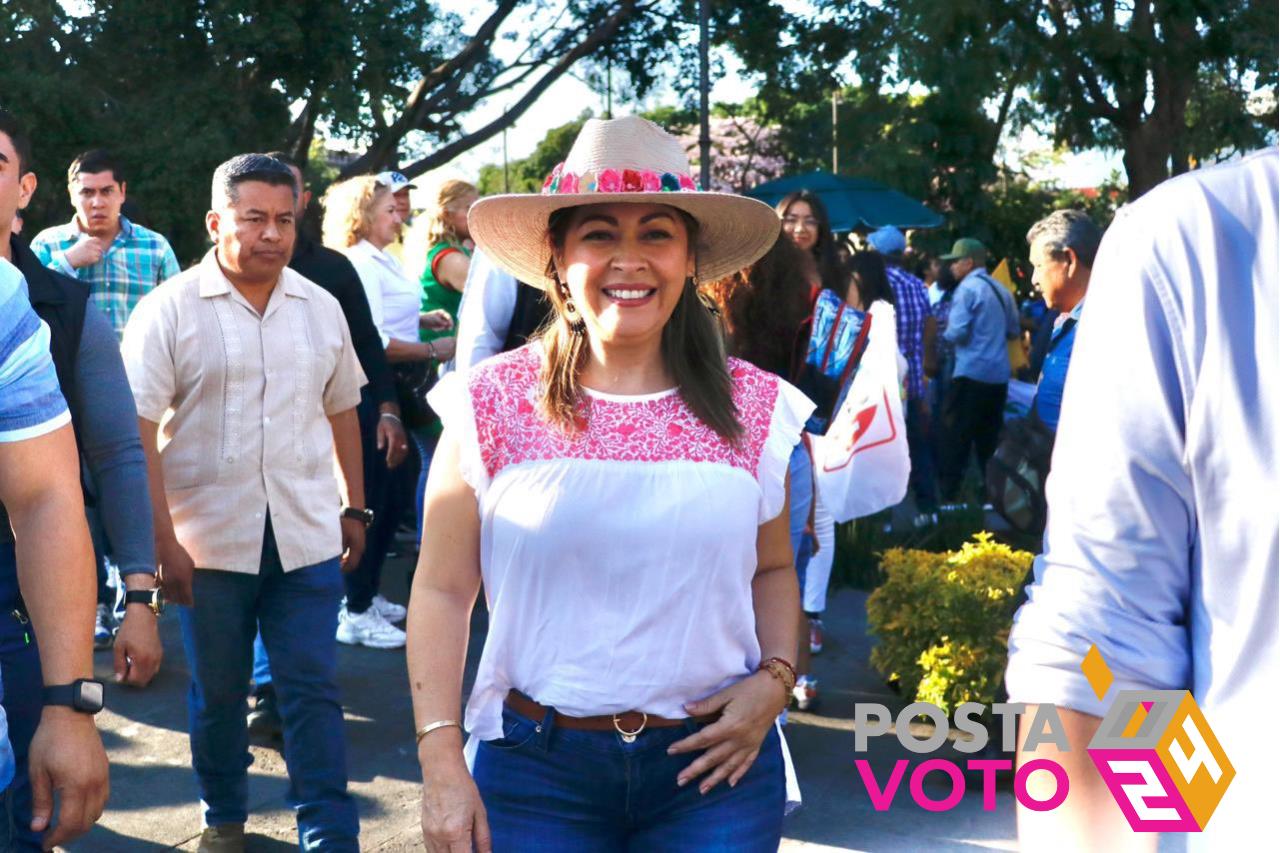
x,y
852,202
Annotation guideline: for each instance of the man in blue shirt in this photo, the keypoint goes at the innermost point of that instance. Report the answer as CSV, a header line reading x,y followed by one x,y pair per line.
x,y
983,319
1063,246
40,488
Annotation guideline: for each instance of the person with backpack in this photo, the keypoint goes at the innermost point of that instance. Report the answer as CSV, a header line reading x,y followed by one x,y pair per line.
x,y
983,318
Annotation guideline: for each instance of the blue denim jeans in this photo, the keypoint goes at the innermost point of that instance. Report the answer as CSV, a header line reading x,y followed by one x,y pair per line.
x,y
920,445
20,694
800,469
425,443
555,790
20,666
298,615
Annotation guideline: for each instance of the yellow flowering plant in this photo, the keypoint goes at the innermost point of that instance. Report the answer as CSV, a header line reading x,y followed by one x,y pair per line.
x,y
943,620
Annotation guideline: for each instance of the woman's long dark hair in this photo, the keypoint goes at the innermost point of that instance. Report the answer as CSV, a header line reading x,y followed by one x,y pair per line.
x,y
870,278
765,306
831,271
692,350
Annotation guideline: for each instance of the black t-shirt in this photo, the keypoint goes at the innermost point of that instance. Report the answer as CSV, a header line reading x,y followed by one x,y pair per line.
x,y
333,272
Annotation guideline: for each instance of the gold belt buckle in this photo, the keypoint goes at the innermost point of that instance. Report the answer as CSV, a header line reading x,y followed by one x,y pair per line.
x,y
630,737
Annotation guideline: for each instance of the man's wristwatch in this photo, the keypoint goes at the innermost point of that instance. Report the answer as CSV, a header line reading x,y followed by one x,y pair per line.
x,y
153,598
364,515
83,695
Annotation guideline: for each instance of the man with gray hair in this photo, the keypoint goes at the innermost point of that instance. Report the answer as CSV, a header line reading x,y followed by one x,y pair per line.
x,y
251,370
1063,246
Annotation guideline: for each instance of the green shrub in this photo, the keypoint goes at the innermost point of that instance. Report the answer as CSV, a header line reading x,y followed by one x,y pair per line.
x,y
943,620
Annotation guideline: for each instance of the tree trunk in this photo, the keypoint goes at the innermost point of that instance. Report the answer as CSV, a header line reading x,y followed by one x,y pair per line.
x,y
1146,158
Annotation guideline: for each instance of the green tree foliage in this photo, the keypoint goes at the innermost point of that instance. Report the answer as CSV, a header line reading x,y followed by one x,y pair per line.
x,y
177,86
170,101
1164,81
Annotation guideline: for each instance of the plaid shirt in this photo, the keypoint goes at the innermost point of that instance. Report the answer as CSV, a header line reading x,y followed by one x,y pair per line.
x,y
133,264
912,308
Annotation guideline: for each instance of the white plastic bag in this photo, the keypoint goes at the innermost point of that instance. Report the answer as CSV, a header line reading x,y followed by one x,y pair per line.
x,y
862,464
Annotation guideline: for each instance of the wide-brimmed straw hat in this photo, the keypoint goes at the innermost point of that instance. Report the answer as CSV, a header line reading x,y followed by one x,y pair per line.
x,y
622,160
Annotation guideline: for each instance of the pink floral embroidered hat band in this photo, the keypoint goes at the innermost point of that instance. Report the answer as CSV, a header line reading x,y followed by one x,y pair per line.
x,y
628,160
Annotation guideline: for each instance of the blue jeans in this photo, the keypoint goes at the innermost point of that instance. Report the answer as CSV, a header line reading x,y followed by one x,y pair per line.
x,y
20,693
920,446
425,443
555,790
298,615
800,469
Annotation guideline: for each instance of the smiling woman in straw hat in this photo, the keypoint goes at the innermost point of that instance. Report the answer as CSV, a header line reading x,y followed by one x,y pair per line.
x,y
620,487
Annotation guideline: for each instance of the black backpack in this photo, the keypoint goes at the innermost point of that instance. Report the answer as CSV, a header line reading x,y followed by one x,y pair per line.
x,y
1017,471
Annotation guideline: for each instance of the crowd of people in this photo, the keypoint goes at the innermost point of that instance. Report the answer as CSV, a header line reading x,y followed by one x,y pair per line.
x,y
590,402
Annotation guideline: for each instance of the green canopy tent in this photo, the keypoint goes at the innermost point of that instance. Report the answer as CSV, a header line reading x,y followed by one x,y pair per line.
x,y
852,202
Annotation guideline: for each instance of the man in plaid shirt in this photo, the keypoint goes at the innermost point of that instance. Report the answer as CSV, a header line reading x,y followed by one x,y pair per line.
x,y
913,314
120,260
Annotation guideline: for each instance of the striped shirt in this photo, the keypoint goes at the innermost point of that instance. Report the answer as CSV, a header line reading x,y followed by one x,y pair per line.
x,y
31,402
912,308
135,262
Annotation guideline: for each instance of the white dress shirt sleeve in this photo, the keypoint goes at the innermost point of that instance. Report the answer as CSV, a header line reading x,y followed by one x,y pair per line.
x,y
1118,548
484,317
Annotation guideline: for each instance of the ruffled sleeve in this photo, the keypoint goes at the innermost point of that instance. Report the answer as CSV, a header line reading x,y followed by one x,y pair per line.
x,y
790,411
451,400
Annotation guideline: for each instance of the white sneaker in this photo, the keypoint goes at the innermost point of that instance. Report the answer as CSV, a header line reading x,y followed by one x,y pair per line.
x,y
102,628
389,610
368,629
805,693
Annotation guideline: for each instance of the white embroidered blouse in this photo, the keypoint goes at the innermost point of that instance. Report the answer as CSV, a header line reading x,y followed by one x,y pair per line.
x,y
617,563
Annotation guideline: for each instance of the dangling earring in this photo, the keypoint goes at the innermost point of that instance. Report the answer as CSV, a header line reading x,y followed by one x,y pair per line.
x,y
576,323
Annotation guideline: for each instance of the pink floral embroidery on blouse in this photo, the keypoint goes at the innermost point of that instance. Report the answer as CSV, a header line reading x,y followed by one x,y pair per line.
x,y
504,393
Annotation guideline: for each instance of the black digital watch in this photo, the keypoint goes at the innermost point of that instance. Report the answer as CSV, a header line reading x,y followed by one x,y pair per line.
x,y
84,695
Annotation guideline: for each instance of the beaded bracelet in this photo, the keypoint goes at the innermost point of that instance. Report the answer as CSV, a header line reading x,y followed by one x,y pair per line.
x,y
786,663
779,670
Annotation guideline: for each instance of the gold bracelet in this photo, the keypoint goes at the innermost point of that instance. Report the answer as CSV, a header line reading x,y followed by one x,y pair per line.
x,y
438,724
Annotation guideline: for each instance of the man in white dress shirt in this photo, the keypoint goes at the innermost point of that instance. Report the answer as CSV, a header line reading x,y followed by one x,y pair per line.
x,y
1161,545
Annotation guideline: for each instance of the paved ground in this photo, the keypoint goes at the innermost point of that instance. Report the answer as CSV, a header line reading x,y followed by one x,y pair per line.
x,y
153,802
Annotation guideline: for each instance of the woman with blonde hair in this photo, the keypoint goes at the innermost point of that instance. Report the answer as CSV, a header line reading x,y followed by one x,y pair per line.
x,y
360,221
619,485
448,248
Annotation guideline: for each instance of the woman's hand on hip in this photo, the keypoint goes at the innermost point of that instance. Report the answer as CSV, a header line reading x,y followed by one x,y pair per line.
x,y
453,816
748,709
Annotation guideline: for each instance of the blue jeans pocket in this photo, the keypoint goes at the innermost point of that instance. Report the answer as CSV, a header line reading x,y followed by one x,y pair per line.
x,y
517,731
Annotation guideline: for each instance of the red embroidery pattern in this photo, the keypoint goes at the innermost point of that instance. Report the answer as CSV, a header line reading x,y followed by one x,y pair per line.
x,y
504,396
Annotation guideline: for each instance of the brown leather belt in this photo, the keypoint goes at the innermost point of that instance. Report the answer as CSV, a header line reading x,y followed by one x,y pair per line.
x,y
628,723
